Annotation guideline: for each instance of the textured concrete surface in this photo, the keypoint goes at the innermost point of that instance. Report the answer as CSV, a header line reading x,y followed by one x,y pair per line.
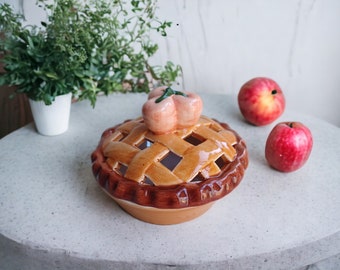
x,y
332,263
53,215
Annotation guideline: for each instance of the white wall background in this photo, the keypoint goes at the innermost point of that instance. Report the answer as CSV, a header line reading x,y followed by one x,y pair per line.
x,y
221,44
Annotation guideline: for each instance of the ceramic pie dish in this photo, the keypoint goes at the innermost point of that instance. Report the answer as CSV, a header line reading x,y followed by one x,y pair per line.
x,y
171,177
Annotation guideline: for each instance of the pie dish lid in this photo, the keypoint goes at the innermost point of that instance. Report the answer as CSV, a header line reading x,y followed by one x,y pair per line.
x,y
187,167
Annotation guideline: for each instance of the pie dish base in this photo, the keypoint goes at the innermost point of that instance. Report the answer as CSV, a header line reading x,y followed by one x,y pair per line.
x,y
160,216
146,197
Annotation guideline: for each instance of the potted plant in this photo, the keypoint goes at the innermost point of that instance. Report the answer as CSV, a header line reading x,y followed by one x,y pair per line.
x,y
84,48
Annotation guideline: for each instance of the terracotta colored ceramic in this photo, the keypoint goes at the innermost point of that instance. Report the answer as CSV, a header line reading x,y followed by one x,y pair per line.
x,y
161,216
170,178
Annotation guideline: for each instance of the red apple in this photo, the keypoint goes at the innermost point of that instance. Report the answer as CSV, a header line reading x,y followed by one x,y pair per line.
x,y
288,146
261,101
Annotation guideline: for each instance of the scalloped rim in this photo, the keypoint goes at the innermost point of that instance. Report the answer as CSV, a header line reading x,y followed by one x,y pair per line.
x,y
170,197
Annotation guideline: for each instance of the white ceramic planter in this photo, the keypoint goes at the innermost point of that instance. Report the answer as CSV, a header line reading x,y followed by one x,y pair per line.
x,y
52,119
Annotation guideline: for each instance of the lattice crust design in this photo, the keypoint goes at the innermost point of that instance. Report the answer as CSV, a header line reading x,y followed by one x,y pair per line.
x,y
191,154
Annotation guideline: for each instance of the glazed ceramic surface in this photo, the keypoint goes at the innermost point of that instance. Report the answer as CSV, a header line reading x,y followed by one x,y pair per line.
x,y
186,169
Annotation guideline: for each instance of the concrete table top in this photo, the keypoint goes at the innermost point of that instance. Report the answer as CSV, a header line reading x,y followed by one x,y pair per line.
x,y
53,215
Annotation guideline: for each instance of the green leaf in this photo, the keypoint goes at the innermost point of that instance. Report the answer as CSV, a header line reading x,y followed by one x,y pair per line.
x,y
51,75
93,47
48,99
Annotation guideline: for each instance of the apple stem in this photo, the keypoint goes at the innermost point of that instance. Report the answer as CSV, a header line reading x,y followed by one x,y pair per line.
x,y
290,124
274,92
